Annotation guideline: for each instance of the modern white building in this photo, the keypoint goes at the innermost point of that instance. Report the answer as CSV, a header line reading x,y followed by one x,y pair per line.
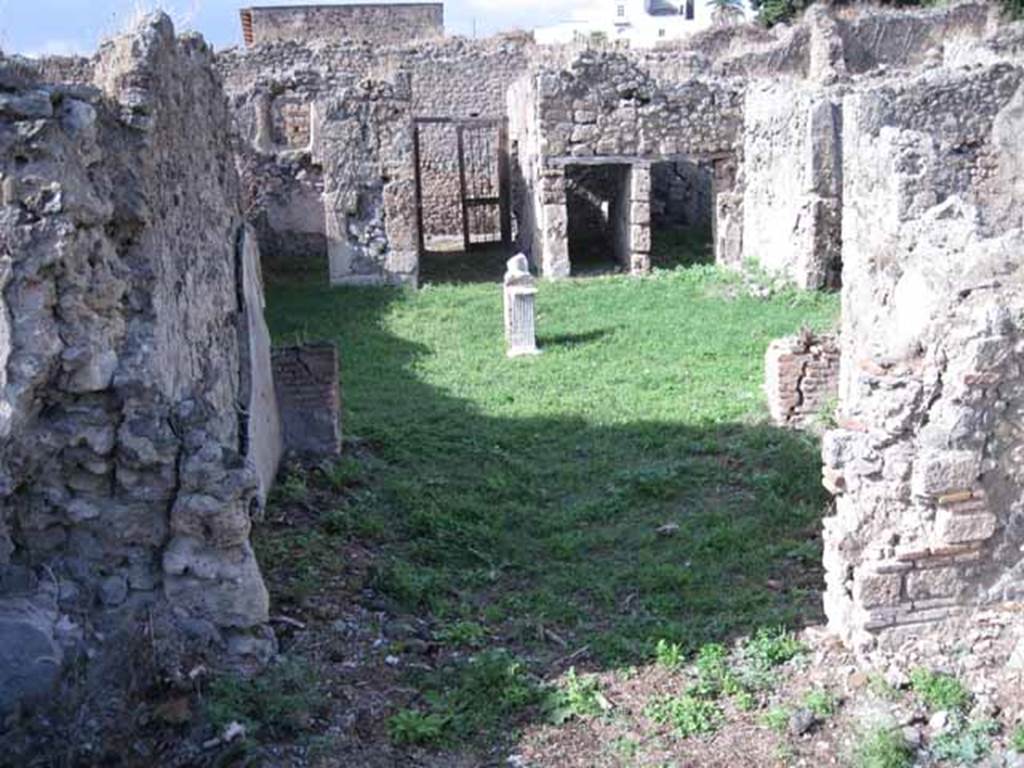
x,y
643,23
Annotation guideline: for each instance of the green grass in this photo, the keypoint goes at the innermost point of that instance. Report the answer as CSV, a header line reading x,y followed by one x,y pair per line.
x,y
466,701
526,493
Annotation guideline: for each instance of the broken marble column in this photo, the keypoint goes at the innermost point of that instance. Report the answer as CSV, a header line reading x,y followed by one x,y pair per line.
x,y
520,309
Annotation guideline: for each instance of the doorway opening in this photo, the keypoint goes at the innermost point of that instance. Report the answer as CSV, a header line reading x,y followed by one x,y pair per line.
x,y
597,205
682,205
463,203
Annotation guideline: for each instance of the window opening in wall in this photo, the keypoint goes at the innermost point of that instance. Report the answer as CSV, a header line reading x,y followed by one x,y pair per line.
x,y
682,201
689,9
621,11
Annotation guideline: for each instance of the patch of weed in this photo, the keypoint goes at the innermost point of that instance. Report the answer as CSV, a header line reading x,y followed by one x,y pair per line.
x,y
965,742
462,633
939,691
468,702
293,488
776,718
882,747
821,703
668,655
882,688
343,473
687,714
1017,739
772,647
277,702
579,697
410,726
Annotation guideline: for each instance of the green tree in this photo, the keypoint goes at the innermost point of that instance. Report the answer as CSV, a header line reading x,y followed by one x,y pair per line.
x,y
726,12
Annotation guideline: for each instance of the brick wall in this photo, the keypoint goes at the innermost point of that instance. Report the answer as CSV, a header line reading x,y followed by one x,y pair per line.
x,y
308,397
801,378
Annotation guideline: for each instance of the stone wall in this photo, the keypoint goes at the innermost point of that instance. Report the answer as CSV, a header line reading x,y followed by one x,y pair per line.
x,y
793,190
134,444
802,379
925,547
373,22
606,108
449,78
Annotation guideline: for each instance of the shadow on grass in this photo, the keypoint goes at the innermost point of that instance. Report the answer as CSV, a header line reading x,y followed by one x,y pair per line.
x,y
681,247
574,339
548,534
484,264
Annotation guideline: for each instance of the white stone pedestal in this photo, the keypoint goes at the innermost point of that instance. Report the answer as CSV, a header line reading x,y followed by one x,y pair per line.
x,y
520,308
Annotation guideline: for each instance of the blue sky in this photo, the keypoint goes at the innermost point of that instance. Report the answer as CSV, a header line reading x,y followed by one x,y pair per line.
x,y
36,27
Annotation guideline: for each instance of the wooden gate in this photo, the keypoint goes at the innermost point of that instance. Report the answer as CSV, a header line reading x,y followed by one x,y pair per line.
x,y
480,149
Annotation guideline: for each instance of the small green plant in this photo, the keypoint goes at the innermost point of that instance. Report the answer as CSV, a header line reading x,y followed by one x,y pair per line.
x,y
343,473
294,488
626,747
939,691
462,633
772,647
965,742
580,697
882,747
687,714
668,655
882,688
827,413
745,701
277,702
821,703
776,718
713,675
468,701
1017,739
411,726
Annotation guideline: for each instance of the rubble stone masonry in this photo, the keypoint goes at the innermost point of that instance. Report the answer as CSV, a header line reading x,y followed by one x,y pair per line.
x,y
135,440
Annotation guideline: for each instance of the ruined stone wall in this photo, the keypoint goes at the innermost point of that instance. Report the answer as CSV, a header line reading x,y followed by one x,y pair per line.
x,y
895,38
374,22
130,460
450,78
283,199
365,149
793,182
802,379
924,551
606,108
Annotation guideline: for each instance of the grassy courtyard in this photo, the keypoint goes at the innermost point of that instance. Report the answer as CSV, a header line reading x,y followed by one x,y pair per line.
x,y
620,491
